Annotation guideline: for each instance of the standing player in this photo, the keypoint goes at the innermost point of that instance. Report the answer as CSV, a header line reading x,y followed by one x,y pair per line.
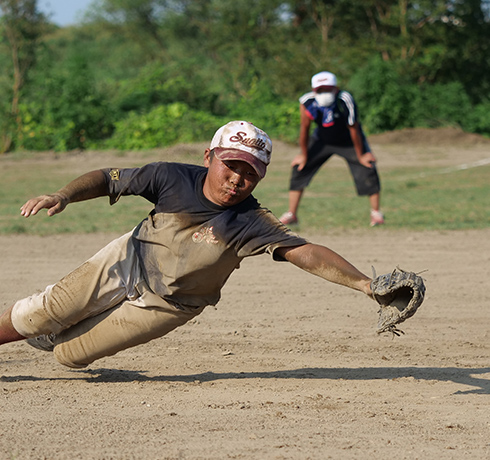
x,y
175,262
338,131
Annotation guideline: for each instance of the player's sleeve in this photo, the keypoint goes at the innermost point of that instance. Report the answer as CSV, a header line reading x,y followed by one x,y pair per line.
x,y
349,107
265,234
133,181
309,103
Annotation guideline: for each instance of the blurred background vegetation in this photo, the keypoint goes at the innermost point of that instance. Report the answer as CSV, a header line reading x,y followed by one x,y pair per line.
x,y
140,74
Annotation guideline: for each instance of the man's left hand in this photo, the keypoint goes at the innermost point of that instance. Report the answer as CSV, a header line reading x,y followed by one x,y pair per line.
x,y
367,160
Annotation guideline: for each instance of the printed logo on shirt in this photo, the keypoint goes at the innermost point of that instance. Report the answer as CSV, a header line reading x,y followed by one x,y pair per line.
x,y
114,173
206,235
328,117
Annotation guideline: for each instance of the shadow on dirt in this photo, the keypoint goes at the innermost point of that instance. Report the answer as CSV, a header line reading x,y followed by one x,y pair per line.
x,y
463,376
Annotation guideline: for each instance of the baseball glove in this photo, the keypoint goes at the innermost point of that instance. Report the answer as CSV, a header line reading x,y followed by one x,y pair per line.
x,y
399,295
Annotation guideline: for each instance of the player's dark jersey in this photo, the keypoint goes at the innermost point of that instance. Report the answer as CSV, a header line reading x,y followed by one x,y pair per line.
x,y
189,246
332,122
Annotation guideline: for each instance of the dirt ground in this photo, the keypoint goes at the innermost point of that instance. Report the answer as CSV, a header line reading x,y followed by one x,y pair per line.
x,y
287,366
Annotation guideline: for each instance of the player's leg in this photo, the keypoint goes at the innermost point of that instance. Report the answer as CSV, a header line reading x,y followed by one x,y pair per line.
x,y
131,323
102,282
294,199
366,181
375,201
7,330
377,217
318,154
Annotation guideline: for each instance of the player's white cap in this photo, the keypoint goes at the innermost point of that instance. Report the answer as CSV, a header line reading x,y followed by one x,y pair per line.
x,y
323,79
241,140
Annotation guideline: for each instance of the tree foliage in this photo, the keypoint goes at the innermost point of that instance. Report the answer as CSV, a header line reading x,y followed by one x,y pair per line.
x,y
142,73
22,27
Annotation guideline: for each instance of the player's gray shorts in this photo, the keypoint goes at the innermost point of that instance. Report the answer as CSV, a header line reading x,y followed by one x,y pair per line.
x,y
366,179
102,307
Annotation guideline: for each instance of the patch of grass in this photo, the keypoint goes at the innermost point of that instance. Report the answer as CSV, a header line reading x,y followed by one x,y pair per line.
x,y
414,199
21,183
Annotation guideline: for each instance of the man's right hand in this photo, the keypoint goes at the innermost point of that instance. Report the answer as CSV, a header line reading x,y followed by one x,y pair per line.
x,y
53,203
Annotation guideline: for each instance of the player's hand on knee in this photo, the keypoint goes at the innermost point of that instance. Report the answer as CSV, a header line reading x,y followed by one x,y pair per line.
x,y
300,161
367,160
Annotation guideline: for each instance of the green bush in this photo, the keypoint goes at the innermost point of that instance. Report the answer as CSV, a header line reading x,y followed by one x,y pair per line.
x,y
280,120
260,106
160,108
388,100
158,85
441,105
163,126
67,112
383,96
478,119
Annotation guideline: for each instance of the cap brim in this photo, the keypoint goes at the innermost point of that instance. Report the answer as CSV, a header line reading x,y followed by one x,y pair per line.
x,y
233,154
316,88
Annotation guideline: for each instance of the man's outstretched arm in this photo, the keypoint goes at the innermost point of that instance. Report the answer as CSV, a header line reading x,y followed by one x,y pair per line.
x,y
88,186
327,264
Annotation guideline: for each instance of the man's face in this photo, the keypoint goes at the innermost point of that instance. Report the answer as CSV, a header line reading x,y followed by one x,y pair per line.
x,y
228,182
325,95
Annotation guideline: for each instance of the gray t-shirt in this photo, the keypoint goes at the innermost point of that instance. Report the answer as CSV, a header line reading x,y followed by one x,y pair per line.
x,y
188,246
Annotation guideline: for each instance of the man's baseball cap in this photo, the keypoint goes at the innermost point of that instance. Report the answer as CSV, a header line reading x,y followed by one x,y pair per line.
x,y
323,79
241,140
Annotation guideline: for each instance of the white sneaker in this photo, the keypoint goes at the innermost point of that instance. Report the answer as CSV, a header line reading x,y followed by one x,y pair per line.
x,y
377,218
288,218
44,342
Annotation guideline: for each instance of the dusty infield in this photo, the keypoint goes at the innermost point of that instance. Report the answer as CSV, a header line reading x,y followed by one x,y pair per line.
x,y
286,366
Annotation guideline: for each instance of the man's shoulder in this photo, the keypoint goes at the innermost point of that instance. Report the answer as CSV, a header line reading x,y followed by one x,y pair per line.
x,y
176,168
307,97
346,97
176,165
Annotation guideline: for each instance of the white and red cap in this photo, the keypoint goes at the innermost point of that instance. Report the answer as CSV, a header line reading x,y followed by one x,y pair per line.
x,y
323,79
241,140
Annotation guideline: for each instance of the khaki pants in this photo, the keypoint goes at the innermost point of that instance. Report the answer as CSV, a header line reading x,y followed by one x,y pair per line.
x,y
102,307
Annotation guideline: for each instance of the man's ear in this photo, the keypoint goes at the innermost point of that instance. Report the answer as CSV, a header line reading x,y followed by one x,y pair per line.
x,y
207,158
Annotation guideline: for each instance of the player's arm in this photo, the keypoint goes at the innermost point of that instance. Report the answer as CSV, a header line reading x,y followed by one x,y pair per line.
x,y
365,158
327,264
304,136
88,186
